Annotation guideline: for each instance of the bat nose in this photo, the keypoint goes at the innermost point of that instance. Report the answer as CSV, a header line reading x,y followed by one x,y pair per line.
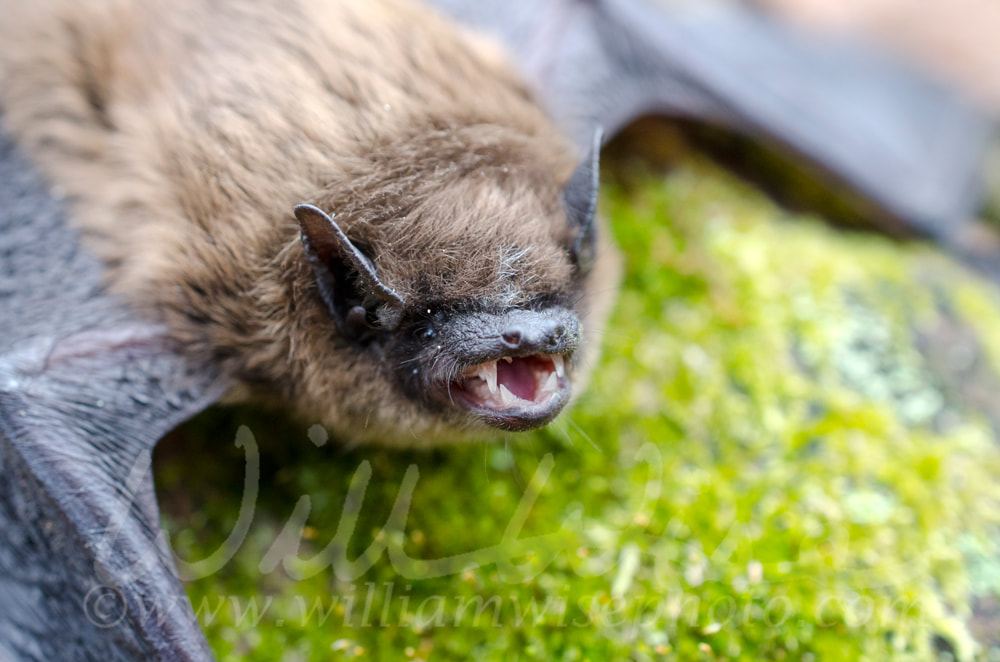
x,y
478,337
541,332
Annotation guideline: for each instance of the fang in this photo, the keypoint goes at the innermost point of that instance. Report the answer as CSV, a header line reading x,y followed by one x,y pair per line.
x,y
506,396
488,373
559,364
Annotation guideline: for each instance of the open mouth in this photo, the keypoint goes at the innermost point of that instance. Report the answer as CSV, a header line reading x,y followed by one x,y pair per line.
x,y
514,392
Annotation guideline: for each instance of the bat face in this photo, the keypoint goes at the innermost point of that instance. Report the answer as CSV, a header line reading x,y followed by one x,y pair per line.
x,y
469,297
507,369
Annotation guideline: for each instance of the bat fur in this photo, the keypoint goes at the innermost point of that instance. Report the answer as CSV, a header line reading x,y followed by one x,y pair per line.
x,y
182,135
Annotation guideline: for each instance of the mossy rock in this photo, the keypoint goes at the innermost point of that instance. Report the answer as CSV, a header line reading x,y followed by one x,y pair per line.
x,y
788,452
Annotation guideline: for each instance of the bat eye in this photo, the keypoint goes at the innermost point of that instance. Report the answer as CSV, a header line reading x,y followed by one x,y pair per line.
x,y
424,333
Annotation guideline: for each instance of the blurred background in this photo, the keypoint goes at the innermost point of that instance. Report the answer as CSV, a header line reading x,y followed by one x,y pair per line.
x,y
955,40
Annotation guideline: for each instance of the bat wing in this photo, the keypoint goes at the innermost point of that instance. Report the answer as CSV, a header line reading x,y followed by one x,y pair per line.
x,y
86,390
900,141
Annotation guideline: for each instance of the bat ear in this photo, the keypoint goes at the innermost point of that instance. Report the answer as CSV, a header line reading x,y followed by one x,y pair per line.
x,y
359,302
580,199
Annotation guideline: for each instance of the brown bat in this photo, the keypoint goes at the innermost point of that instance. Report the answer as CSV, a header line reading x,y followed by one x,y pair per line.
x,y
358,209
448,284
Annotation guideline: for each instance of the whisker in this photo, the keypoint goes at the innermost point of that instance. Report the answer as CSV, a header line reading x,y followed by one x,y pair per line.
x,y
562,430
570,420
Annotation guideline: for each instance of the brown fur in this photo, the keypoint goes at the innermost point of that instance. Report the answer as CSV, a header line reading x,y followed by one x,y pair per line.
x,y
183,134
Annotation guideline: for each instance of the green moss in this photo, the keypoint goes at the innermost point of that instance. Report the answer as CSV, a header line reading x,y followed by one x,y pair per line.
x,y
770,463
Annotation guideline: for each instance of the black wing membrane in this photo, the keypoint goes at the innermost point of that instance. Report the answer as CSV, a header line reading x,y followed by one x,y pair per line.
x,y
902,142
86,390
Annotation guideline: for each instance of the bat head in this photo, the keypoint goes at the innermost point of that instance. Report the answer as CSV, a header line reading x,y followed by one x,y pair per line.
x,y
465,285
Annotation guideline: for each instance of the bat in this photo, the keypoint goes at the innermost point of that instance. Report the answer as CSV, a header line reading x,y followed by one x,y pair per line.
x,y
257,210
476,324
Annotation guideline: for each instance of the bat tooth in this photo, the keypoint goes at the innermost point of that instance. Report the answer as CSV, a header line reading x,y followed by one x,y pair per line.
x,y
488,373
559,364
551,384
508,359
507,397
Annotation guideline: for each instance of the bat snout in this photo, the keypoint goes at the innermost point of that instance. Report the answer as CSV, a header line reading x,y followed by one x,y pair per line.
x,y
530,332
515,367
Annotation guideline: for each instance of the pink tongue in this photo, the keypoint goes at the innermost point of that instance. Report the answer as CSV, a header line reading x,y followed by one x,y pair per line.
x,y
518,376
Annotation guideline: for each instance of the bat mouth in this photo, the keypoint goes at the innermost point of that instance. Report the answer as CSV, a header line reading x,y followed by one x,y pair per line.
x,y
514,392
